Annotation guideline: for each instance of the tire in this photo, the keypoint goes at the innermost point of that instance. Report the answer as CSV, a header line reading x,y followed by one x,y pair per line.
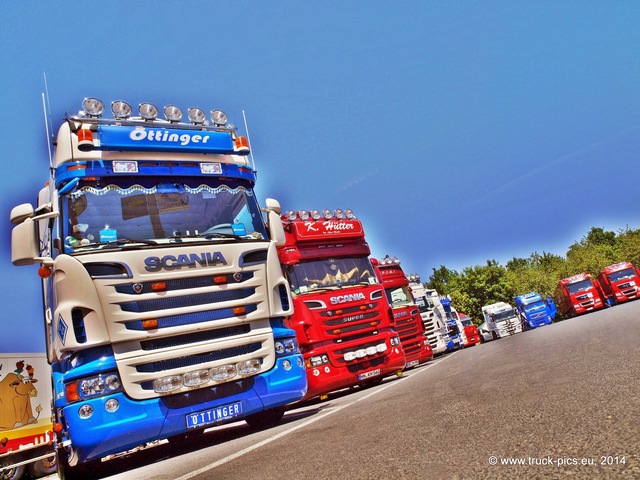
x,y
68,472
43,467
14,473
267,418
371,383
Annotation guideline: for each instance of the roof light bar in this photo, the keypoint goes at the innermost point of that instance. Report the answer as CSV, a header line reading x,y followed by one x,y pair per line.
x,y
172,113
218,118
148,111
196,116
92,107
121,110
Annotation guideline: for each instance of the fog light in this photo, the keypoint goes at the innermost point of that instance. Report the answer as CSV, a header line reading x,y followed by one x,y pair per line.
x,y
168,384
111,405
371,350
382,347
248,367
286,365
195,378
361,353
222,373
85,411
349,356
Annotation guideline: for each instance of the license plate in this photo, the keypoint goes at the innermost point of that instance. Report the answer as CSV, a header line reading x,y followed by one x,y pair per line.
x,y
370,374
412,364
213,415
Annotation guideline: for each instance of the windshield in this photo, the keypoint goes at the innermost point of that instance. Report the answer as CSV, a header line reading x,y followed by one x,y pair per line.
x,y
580,286
502,316
535,306
622,275
334,272
399,296
147,210
466,321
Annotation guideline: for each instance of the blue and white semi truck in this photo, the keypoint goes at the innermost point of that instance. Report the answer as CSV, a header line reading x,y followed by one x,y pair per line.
x,y
535,311
164,299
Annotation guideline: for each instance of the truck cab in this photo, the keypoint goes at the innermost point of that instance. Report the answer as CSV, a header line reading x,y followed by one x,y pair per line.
x,y
620,283
407,321
534,311
427,300
164,300
455,330
577,295
501,320
340,315
471,333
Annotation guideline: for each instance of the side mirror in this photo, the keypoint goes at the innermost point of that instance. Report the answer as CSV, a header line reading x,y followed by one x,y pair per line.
x,y
276,230
20,213
273,205
24,243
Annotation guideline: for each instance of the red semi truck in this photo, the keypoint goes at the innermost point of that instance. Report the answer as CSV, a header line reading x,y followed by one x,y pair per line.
x,y
619,282
577,295
406,314
472,336
340,315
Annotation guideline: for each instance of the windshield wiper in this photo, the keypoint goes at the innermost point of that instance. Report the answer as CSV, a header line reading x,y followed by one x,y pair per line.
x,y
207,236
120,242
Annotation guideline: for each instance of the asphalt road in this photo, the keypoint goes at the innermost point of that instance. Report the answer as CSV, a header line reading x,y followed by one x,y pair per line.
x,y
555,402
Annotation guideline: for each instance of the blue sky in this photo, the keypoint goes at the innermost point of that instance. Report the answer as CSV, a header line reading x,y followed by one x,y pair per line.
x,y
457,131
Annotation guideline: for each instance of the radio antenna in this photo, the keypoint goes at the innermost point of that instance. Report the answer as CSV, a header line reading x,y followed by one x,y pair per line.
x,y
246,129
47,118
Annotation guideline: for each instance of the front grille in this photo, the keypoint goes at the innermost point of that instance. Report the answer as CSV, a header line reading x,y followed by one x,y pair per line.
x,y
191,318
189,338
201,358
204,395
143,306
184,283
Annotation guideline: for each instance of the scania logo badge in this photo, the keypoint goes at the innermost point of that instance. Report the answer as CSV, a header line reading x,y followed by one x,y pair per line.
x,y
138,287
237,277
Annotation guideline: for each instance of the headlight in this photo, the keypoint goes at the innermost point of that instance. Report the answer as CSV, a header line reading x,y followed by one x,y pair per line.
x,y
286,346
91,387
318,360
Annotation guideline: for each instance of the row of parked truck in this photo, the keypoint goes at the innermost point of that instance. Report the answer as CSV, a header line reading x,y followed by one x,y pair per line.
x,y
575,295
173,302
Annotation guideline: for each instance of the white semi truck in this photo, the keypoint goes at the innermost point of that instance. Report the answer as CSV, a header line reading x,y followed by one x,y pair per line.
x,y
501,320
427,301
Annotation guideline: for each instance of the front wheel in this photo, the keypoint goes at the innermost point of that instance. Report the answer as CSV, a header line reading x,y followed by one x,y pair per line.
x,y
76,472
266,418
